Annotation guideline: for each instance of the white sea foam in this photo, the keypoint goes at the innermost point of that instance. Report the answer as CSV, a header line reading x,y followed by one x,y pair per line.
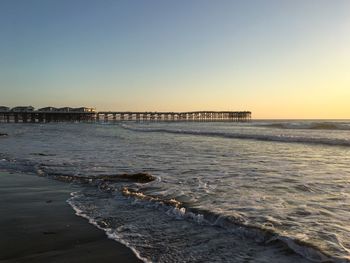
x,y
111,233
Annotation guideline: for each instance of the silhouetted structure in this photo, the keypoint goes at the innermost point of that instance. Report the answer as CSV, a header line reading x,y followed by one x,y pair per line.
x,y
83,114
65,109
205,116
4,108
84,109
48,109
24,114
23,109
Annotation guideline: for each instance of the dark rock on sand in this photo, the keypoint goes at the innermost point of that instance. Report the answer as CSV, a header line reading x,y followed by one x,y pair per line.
x,y
3,134
136,177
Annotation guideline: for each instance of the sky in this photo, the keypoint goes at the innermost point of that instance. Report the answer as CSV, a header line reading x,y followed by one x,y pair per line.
x,y
284,59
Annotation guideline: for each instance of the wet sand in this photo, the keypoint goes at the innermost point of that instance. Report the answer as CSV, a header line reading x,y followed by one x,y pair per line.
x,y
37,225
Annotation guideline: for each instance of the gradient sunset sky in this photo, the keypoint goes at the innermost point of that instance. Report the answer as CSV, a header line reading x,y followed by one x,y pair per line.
x,y
279,59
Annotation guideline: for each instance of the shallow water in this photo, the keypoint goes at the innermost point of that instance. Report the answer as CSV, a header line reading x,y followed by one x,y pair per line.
x,y
224,192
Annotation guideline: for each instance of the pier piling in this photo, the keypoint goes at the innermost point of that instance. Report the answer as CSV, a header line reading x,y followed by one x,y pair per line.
x,y
82,115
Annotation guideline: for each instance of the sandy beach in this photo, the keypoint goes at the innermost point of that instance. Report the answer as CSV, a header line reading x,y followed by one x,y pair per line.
x,y
37,225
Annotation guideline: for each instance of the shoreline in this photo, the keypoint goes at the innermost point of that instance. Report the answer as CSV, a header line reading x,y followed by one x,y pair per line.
x,y
38,225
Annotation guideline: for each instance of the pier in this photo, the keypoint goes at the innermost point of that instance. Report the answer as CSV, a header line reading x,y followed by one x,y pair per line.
x,y
83,114
199,116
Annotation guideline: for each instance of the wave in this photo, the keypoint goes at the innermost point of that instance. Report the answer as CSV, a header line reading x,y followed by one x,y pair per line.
x,y
246,136
308,125
235,224
109,232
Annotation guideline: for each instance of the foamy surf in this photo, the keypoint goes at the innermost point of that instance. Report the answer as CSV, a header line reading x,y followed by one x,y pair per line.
x,y
210,199
237,226
285,138
167,213
109,232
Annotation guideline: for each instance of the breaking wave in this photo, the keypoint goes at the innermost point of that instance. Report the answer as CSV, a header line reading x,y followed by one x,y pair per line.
x,y
234,223
109,232
237,225
308,125
247,136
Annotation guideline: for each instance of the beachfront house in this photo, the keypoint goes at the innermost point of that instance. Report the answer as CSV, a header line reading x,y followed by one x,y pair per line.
x,y
65,109
48,109
84,109
4,108
22,109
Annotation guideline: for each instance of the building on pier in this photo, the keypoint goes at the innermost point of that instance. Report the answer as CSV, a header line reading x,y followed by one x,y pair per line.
x,y
4,109
23,109
84,109
65,109
48,109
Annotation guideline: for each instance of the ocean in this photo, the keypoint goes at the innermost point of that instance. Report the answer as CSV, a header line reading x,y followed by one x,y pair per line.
x,y
261,191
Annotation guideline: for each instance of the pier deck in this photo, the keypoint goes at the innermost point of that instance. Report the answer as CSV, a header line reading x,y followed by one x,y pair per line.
x,y
119,116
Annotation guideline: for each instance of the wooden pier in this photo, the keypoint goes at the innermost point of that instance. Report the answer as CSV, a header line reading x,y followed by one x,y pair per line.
x,y
199,116
48,114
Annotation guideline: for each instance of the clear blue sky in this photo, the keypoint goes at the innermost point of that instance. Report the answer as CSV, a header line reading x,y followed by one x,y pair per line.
x,y
277,58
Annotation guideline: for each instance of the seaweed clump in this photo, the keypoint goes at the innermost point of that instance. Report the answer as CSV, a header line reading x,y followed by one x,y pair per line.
x,y
138,177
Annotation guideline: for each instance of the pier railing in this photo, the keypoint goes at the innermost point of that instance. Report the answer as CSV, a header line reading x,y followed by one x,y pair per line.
x,y
111,116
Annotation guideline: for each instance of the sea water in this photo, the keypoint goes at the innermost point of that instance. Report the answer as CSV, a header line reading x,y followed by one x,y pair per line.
x,y
263,191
